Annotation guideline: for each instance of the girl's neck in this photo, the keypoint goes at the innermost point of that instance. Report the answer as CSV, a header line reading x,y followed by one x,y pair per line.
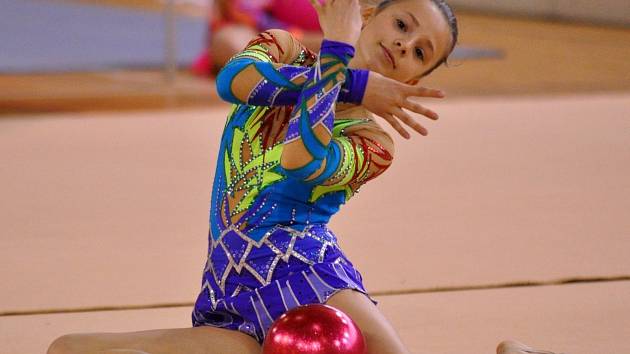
x,y
357,63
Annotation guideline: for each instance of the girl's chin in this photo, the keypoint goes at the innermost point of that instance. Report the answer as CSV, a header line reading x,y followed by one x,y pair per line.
x,y
380,68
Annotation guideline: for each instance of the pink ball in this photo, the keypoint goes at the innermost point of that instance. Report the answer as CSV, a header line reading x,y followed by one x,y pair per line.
x,y
312,329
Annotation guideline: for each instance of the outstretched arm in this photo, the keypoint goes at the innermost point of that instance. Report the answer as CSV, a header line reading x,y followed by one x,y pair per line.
x,y
307,140
346,154
262,74
312,150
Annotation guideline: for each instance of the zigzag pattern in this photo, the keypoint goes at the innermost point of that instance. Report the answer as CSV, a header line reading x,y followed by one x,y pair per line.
x,y
231,250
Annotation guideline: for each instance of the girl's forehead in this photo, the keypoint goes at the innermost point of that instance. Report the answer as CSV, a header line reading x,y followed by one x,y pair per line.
x,y
424,12
417,7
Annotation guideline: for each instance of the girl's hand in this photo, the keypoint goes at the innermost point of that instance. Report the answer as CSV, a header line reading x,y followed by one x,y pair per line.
x,y
340,20
386,98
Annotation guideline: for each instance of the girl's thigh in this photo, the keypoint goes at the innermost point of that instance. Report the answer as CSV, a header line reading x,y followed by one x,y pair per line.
x,y
380,336
196,340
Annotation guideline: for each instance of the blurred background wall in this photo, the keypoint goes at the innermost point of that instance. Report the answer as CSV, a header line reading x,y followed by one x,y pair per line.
x,y
616,12
71,55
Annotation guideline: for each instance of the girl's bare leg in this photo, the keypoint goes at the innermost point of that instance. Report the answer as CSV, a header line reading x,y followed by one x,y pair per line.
x,y
380,336
196,340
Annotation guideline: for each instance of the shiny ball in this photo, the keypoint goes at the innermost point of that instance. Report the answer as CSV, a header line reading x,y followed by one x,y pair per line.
x,y
314,329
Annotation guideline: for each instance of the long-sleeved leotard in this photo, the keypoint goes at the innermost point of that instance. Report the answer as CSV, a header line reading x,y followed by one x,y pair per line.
x,y
260,76
282,172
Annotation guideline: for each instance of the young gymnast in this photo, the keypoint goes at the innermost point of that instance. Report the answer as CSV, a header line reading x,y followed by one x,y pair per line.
x,y
298,143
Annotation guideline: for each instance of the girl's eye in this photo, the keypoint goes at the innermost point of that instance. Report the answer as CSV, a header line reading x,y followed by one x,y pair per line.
x,y
420,54
401,25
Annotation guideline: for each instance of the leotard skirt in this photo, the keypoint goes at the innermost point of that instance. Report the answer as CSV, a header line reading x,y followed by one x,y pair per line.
x,y
248,284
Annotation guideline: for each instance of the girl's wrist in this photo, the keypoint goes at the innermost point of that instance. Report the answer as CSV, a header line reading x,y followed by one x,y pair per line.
x,y
339,39
343,51
354,88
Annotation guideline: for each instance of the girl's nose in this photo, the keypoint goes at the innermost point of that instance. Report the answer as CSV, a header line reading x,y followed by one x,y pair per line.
x,y
400,45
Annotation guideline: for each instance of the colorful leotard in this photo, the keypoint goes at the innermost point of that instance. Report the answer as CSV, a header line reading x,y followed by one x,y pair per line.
x,y
285,166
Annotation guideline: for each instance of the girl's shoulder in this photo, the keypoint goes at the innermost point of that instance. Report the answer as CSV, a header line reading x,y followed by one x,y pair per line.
x,y
283,47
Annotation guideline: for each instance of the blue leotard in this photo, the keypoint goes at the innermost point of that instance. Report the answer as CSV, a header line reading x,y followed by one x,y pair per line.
x,y
285,166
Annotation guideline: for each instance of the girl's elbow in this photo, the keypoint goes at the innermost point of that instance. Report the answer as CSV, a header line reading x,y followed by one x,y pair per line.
x,y
224,89
232,86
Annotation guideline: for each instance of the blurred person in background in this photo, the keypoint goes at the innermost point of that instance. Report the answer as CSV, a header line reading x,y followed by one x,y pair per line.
x,y
233,23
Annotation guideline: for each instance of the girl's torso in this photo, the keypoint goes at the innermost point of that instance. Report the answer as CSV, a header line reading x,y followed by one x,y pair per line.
x,y
251,192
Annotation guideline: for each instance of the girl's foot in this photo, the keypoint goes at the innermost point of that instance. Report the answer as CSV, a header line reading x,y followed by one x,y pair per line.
x,y
513,347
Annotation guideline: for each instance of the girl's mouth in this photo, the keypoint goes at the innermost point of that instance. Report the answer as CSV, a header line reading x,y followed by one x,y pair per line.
x,y
389,55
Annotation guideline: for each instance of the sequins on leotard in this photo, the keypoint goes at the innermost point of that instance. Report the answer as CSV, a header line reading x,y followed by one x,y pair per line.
x,y
267,222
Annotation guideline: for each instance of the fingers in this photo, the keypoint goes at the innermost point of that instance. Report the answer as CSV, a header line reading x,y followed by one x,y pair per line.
x,y
406,118
396,125
414,107
420,91
316,4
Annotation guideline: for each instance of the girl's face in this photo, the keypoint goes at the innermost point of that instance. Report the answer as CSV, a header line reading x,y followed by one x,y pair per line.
x,y
403,40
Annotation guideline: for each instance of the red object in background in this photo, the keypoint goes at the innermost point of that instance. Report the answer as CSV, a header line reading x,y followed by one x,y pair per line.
x,y
314,329
286,10
244,12
202,66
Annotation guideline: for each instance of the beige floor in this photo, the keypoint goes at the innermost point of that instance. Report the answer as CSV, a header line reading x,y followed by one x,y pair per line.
x,y
578,319
109,210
